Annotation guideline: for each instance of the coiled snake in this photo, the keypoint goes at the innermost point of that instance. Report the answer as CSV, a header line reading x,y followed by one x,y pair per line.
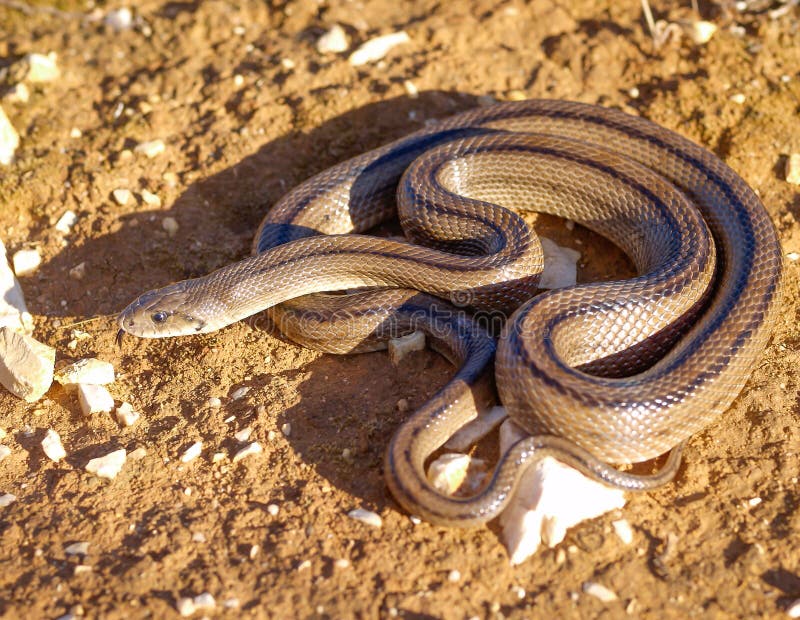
x,y
611,372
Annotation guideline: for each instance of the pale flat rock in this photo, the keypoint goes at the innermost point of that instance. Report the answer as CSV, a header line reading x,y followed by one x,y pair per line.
x,y
126,414
52,446
550,499
5,451
192,452
42,68
400,347
94,399
248,450
151,148
366,516
448,472
793,169
26,262
476,430
13,311
377,48
107,466
67,220
560,265
334,41
26,365
77,548
86,370
9,139
6,499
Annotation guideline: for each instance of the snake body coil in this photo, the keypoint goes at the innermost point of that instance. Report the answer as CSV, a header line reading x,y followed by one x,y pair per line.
x,y
611,372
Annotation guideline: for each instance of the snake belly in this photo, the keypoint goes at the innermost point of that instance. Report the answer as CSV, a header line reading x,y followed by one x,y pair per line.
x,y
612,372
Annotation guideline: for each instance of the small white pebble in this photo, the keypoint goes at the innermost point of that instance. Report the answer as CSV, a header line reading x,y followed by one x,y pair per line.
x,y
599,591
402,405
633,92
399,348
286,429
5,451
793,169
138,454
204,601
342,563
67,220
231,603
793,610
366,516
454,576
198,537
89,370
519,591
238,80
623,530
81,569
6,499
42,68
253,552
700,32
18,93
411,89
218,457
244,434
150,199
287,63
271,435
9,139
185,607
3,433
334,41
793,256
192,452
229,419
273,509
26,261
126,415
754,501
214,402
51,444
107,466
248,450
240,392
738,98
170,224
377,48
448,472
121,196
77,548
120,19
75,133
150,148
94,399
78,272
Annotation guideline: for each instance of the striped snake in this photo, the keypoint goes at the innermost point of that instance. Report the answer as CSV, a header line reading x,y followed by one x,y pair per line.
x,y
609,372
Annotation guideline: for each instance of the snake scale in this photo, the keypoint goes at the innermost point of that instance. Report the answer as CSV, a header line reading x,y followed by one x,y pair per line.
x,y
598,374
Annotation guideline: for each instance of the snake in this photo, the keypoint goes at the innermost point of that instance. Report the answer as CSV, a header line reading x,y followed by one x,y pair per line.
x,y
599,374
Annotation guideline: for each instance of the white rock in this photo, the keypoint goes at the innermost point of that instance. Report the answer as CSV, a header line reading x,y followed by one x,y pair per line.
x,y
77,548
286,429
244,434
122,196
700,32
214,402
334,41
3,433
87,370
185,607
6,499
623,530
599,591
67,220
240,392
793,610
793,256
75,133
793,169
377,48
400,347
18,93
13,311
78,272
476,430
9,139
121,19
26,365
366,516
170,224
204,601
249,449
192,452
26,261
138,454
551,497
448,472
738,98
107,466
560,265
151,148
42,68
94,399
411,89
126,414
150,199
4,452
52,446
454,576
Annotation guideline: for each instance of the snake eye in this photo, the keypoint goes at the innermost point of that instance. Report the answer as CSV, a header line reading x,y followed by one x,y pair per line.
x,y
159,317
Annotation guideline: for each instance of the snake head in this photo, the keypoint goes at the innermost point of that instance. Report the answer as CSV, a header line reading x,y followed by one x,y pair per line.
x,y
163,312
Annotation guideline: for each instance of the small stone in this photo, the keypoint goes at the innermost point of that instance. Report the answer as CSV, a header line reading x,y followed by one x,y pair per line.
x,y
151,148
13,311
81,569
170,178
42,68
366,516
253,553
249,449
377,48
633,92
87,370
793,169
185,607
700,32
411,89
192,452
516,95
121,19
218,457
287,63
94,399
26,365
738,98
6,499
204,601
150,199
244,434
18,93
107,466
126,414
9,139
793,256
52,446
240,393
793,610
334,41
754,501
400,347
26,261
599,591
273,509
342,563
304,565
231,603
238,80
199,537
77,548
560,265
454,576
448,472
122,196
138,454
5,451
170,224
402,405
286,429
75,133
214,402
67,220
78,272
623,531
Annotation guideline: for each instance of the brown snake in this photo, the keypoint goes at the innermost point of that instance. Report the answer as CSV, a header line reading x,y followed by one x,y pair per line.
x,y
611,372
